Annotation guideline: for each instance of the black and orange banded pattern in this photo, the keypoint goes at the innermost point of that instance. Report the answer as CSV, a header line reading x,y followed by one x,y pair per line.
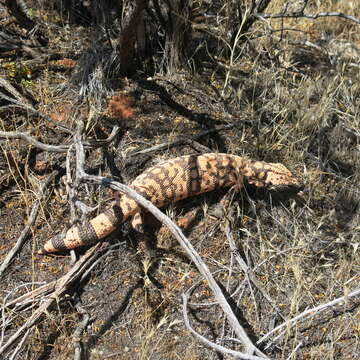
x,y
171,181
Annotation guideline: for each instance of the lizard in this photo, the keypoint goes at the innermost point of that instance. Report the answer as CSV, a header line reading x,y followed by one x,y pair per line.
x,y
170,181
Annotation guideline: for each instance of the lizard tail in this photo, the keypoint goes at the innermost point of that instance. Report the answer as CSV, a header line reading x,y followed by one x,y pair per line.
x,y
87,234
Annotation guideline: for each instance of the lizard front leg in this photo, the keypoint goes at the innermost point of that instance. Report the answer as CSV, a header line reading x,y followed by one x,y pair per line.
x,y
137,223
221,207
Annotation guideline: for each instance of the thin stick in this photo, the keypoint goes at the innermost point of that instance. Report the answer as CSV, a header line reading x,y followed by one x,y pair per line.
x,y
294,351
14,43
308,16
8,87
62,285
31,140
32,296
36,112
310,312
174,143
78,353
57,148
26,231
78,348
247,271
18,347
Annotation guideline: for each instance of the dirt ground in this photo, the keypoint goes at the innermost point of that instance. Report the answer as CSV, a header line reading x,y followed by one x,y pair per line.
x,y
284,102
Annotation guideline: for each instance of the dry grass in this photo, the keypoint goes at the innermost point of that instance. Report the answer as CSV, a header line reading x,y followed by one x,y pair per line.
x,y
299,90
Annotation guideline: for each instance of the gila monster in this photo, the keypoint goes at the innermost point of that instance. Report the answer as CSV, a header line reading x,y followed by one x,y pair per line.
x,y
173,180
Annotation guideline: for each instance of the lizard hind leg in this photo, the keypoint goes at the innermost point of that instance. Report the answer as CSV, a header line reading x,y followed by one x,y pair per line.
x,y
224,205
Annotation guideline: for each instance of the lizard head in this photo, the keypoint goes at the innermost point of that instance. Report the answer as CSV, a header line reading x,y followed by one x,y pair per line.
x,y
273,176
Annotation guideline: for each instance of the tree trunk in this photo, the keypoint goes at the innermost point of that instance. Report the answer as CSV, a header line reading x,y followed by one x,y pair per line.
x,y
128,37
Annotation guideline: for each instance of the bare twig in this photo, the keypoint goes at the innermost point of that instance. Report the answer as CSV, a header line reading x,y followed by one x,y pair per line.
x,y
178,142
26,231
29,108
61,287
35,296
294,351
309,313
98,143
102,142
219,348
31,297
71,190
247,271
58,148
301,14
17,43
31,140
18,347
79,329
8,316
8,87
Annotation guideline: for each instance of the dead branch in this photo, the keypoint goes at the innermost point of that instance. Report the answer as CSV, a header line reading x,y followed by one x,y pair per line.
x,y
61,287
11,43
31,140
219,348
301,14
33,297
90,144
8,87
18,347
71,191
32,218
103,142
168,145
310,313
19,9
128,36
260,6
247,271
29,108
78,354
